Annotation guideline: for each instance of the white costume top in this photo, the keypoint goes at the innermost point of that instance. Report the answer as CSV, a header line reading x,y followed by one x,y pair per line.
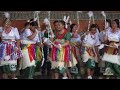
x,y
78,39
109,28
113,36
13,34
90,41
97,32
112,58
102,33
28,32
101,36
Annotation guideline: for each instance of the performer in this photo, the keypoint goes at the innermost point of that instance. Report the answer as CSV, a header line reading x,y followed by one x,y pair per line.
x,y
111,54
47,33
30,49
61,50
75,44
101,36
89,50
50,55
105,29
9,49
26,26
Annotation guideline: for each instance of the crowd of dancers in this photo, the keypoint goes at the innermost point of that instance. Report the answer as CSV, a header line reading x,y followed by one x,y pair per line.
x,y
62,53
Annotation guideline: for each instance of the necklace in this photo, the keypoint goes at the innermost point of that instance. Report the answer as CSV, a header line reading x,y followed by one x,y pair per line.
x,y
60,36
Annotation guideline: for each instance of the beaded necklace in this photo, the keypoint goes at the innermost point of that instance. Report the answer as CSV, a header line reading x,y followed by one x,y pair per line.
x,y
60,36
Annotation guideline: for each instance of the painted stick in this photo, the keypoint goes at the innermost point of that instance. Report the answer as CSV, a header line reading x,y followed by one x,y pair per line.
x,y
93,19
90,14
37,16
78,19
104,15
7,16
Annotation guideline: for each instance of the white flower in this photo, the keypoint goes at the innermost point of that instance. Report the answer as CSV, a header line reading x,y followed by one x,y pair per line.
x,y
46,21
7,15
90,13
103,13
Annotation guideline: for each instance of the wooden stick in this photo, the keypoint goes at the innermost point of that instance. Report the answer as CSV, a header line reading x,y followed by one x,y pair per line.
x,y
40,37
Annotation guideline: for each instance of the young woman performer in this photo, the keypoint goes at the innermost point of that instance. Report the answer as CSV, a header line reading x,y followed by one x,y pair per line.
x,y
102,34
111,53
89,50
75,43
9,49
61,50
30,49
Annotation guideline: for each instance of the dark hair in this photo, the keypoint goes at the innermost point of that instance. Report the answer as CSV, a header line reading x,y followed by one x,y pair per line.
x,y
117,22
34,23
71,27
56,21
27,23
92,26
109,21
31,20
62,22
97,27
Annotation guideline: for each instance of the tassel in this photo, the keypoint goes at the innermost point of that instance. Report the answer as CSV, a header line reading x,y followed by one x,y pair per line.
x,y
56,51
12,56
31,53
74,52
60,53
10,51
53,53
38,53
66,54
2,51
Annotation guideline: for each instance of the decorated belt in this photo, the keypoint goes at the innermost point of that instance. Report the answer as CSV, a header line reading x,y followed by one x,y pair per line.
x,y
87,45
8,40
27,42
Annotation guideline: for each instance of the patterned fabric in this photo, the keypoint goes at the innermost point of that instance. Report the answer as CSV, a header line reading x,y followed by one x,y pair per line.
x,y
62,58
111,56
7,48
8,68
31,55
75,50
90,64
88,53
62,54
